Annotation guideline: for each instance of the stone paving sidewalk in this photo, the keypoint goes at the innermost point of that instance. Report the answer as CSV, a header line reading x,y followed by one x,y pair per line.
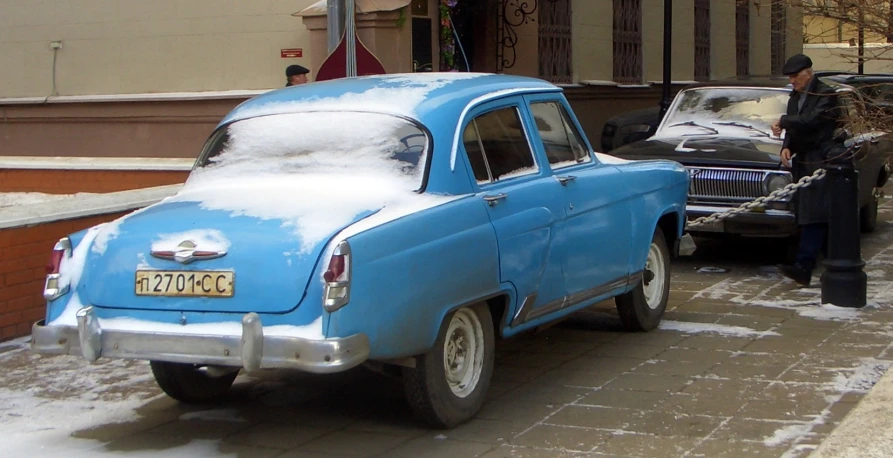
x,y
745,364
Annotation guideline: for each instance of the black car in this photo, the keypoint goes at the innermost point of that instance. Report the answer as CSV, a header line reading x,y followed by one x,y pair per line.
x,y
876,90
632,126
721,133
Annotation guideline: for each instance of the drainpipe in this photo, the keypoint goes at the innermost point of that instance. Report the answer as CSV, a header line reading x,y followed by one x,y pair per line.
x,y
335,10
668,50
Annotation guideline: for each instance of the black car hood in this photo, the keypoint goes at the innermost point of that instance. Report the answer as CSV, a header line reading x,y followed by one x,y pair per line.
x,y
746,152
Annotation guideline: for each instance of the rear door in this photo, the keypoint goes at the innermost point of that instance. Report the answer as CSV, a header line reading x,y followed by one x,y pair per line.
x,y
525,206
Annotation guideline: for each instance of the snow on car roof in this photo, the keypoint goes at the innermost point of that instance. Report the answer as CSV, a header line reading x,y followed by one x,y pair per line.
x,y
414,95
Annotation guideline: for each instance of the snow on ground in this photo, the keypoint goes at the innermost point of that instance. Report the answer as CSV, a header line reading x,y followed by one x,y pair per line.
x,y
693,328
13,199
48,401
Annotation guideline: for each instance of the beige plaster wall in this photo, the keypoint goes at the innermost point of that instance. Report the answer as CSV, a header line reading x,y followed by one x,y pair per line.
x,y
722,39
760,39
593,40
137,46
835,56
683,40
794,43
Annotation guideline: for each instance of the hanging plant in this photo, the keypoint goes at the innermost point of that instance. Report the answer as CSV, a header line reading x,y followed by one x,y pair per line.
x,y
447,38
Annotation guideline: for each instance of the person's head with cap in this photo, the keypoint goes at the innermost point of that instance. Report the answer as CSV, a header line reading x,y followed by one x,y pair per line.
x,y
798,69
296,74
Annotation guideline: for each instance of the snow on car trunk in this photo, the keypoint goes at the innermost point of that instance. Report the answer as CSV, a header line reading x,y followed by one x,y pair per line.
x,y
250,226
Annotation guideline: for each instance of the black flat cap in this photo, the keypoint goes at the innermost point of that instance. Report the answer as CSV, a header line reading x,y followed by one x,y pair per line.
x,y
293,70
796,63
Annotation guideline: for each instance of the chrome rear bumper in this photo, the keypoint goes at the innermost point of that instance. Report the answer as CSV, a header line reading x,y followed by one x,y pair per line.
x,y
251,350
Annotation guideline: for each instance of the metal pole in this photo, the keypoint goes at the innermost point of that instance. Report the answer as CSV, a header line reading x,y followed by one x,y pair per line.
x,y
861,42
335,10
668,51
844,283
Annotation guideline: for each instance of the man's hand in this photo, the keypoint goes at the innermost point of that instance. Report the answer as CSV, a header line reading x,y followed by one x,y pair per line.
x,y
786,157
776,128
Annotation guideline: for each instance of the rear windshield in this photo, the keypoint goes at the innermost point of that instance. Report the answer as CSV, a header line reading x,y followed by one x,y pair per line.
x,y
335,143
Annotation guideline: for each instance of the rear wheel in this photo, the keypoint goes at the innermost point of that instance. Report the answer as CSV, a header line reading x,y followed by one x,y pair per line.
x,y
448,384
189,383
642,308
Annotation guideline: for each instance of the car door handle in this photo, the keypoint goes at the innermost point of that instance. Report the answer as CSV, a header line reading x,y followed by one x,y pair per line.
x,y
564,180
494,199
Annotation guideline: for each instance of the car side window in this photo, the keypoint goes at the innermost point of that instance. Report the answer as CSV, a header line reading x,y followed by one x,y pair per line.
x,y
497,146
561,140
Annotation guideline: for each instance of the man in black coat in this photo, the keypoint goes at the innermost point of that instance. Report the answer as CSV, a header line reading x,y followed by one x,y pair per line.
x,y
813,126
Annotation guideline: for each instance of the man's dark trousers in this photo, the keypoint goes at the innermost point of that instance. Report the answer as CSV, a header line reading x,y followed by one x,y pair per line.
x,y
813,238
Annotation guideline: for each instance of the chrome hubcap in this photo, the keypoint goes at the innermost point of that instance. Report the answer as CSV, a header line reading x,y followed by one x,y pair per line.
x,y
653,277
463,352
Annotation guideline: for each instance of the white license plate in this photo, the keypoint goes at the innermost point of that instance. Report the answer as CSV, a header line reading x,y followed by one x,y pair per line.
x,y
716,226
203,283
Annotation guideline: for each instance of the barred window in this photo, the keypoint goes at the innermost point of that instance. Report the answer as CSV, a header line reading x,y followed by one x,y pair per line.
x,y
628,41
742,37
555,41
778,35
702,40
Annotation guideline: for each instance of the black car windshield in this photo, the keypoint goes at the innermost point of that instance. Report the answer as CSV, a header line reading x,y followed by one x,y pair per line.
x,y
741,111
318,143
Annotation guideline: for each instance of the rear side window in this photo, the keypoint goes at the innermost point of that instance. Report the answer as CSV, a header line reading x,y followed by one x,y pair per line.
x,y
497,146
561,140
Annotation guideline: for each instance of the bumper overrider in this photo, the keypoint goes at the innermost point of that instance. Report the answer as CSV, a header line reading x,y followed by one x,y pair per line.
x,y
251,351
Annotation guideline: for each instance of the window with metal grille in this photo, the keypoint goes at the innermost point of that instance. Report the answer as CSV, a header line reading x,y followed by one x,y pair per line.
x,y
628,41
702,40
742,37
778,37
555,41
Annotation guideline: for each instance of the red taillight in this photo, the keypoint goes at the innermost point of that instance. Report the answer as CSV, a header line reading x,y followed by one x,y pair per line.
x,y
55,285
336,293
55,261
62,246
336,269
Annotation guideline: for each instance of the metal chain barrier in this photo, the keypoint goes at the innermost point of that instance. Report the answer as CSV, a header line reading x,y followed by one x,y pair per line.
x,y
776,195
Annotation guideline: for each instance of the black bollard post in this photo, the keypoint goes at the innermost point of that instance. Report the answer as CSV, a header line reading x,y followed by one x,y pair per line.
x,y
844,283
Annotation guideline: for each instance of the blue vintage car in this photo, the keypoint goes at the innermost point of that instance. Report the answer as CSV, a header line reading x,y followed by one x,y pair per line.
x,y
401,221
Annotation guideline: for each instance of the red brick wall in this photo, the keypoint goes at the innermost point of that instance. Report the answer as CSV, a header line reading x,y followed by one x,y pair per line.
x,y
94,181
24,252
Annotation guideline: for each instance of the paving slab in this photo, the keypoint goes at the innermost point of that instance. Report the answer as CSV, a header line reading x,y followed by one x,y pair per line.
x,y
745,364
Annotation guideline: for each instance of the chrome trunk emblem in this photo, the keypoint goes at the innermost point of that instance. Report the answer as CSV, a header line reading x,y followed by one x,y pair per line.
x,y
187,253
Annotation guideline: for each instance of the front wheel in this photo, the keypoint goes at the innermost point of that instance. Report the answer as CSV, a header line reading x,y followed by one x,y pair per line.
x,y
642,308
448,384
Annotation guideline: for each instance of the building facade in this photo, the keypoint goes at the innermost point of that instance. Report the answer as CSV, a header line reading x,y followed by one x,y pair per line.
x,y
831,35
84,77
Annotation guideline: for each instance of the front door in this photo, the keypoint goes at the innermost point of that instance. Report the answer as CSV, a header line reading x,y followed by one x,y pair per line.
x,y
598,224
525,207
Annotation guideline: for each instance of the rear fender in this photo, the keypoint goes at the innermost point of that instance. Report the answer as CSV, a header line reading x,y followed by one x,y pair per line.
x,y
409,274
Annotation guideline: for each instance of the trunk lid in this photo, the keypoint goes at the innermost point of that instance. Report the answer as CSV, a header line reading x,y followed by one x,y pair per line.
x,y
199,251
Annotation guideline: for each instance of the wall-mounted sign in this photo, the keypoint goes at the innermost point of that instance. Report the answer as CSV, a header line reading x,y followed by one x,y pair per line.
x,y
292,52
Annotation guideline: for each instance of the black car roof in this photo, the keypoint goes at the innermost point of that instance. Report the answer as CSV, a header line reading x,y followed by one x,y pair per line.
x,y
778,81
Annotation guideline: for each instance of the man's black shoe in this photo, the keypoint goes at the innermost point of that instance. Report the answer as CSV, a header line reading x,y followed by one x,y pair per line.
x,y
796,273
